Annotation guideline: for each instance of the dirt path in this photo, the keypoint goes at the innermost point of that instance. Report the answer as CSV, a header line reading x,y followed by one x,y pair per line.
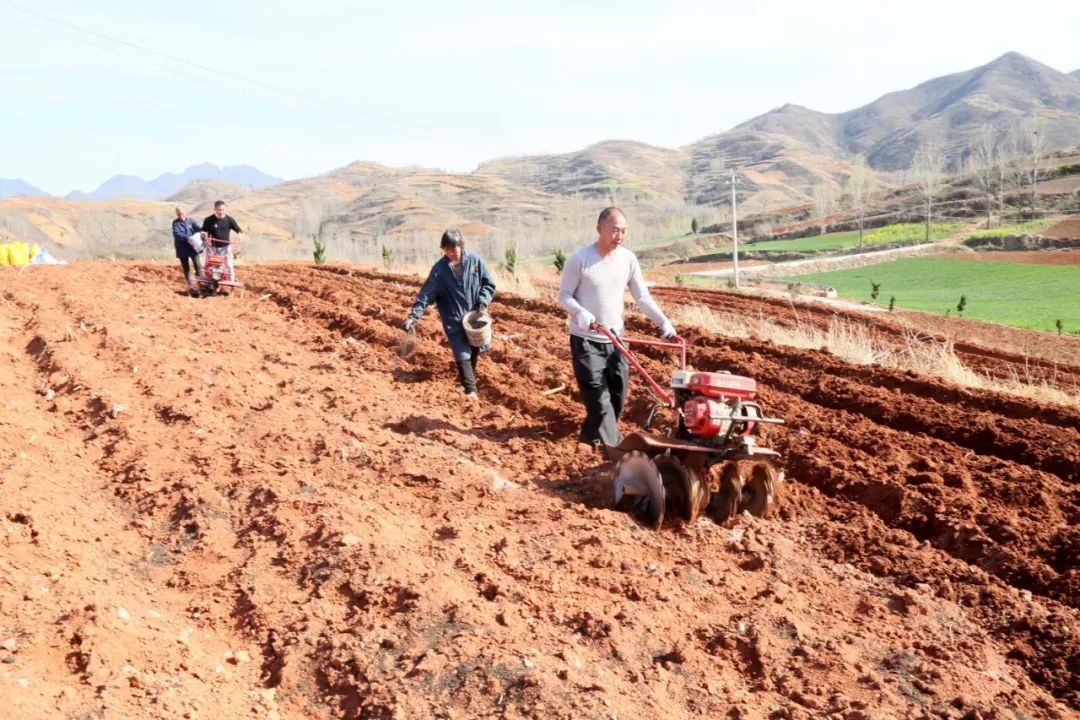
x,y
380,549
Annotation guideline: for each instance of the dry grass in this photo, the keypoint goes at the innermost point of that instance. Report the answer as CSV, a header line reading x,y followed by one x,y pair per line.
x,y
524,282
855,343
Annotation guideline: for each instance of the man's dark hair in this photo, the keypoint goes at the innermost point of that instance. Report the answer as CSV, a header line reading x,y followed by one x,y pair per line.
x,y
608,212
451,238
219,203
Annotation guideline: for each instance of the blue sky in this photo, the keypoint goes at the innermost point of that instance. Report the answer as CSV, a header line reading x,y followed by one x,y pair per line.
x,y
299,88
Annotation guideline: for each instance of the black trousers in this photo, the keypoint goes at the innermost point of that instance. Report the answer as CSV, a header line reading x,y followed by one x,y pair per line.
x,y
466,371
603,377
187,272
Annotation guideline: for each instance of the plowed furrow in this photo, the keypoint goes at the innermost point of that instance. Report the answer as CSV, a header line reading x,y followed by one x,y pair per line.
x,y
909,479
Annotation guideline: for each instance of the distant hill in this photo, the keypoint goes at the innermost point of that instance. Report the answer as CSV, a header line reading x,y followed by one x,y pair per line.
x,y
599,169
1075,74
169,183
945,111
14,188
773,170
202,192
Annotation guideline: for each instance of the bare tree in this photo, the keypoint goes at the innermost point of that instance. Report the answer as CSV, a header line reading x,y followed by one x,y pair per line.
x,y
824,203
858,188
984,162
927,172
1007,154
1031,144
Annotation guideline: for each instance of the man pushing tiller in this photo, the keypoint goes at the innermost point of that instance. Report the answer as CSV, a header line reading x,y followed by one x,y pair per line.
x,y
218,272
594,282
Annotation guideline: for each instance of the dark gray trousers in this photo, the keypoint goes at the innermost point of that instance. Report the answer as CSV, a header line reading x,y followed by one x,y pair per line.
x,y
602,376
466,371
194,260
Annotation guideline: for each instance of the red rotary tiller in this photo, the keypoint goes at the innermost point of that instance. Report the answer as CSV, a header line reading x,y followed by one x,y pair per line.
x,y
708,461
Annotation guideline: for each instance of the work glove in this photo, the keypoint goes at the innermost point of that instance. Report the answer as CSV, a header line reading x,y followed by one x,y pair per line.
x,y
482,308
584,320
668,332
409,325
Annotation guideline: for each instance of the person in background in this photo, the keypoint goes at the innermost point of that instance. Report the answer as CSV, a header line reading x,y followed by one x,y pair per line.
x,y
458,283
217,228
594,281
183,228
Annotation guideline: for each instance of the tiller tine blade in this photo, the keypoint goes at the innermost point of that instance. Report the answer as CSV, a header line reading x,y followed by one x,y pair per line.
x,y
638,489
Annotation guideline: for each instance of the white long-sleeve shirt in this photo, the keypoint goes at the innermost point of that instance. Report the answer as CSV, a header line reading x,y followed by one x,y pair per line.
x,y
592,290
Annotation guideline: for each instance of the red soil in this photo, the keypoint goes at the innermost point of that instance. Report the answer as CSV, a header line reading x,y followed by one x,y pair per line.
x,y
296,523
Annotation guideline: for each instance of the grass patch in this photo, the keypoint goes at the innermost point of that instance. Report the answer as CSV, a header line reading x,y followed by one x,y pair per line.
x,y
899,234
1018,294
1031,226
702,281
902,233
833,241
856,343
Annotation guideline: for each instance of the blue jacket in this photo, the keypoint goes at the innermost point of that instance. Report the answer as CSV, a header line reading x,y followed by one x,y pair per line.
x,y
181,230
455,299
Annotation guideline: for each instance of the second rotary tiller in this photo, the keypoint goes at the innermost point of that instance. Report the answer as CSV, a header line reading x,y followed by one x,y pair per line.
x,y
708,461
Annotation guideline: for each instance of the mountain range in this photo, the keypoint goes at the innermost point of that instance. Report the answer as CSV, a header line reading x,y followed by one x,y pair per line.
x,y
779,157
13,188
783,153
159,188
944,111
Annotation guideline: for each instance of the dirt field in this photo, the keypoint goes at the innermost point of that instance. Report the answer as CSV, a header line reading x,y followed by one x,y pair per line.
x,y
1069,229
251,507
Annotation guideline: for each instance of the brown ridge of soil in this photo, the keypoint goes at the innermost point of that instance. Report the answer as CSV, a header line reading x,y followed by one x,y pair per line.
x,y
299,524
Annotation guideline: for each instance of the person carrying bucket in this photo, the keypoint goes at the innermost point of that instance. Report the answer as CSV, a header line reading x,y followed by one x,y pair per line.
x,y
183,228
461,286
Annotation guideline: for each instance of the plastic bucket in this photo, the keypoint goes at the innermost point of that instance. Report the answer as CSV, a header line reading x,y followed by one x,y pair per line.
x,y
477,328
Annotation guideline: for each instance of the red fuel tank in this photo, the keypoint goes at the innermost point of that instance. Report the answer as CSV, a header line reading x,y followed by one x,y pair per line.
x,y
723,385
